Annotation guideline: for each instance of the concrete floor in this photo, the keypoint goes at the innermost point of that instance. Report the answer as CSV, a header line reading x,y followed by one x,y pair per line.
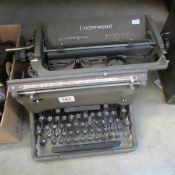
x,y
155,121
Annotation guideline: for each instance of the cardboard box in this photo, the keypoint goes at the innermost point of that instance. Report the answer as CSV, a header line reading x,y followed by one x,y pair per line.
x,y
10,122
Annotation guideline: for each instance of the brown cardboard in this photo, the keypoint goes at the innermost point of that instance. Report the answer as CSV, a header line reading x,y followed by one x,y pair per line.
x,y
10,121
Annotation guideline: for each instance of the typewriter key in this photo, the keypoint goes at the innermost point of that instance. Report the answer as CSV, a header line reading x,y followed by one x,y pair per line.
x,y
63,134
61,141
71,132
49,118
76,124
54,127
38,131
71,117
105,106
92,114
78,132
84,131
103,122
99,114
43,142
68,125
90,138
78,116
96,137
57,118
49,135
68,140
64,118
41,118
47,128
82,139
57,111
117,135
127,122
54,140
113,113
85,115
106,114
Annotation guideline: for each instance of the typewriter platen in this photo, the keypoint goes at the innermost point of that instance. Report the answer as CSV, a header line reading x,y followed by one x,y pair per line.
x,y
79,82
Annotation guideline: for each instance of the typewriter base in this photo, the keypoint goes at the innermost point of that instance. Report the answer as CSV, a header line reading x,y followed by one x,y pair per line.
x,y
50,152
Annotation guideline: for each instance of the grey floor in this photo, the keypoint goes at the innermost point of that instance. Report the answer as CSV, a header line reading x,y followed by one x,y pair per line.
x,y
155,120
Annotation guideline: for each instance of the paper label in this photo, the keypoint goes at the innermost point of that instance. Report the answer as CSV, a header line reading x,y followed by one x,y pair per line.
x,y
135,21
66,99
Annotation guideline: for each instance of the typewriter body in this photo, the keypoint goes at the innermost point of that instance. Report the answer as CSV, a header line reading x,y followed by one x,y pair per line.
x,y
79,82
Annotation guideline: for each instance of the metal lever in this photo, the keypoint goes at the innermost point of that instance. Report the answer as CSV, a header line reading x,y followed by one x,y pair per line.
x,y
19,48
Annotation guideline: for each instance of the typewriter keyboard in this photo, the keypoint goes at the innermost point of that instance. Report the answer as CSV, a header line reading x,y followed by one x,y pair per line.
x,y
83,128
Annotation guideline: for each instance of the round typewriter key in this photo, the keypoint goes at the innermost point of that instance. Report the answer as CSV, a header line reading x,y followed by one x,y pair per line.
x,y
41,118
61,141
38,131
78,132
49,118
75,124
54,140
123,110
117,120
117,135
103,137
85,115
68,125
84,131
63,134
61,126
110,120
110,135
68,140
71,132
99,114
49,135
96,122
82,124
91,130
57,111
90,138
56,134
75,140
54,126
103,122
105,129
82,139
71,117
105,106
106,114
96,137
43,142
64,118
92,114
57,118
78,116
99,130
127,122
47,128
113,113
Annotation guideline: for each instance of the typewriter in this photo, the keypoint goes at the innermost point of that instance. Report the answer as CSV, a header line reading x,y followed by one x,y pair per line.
x,y
79,79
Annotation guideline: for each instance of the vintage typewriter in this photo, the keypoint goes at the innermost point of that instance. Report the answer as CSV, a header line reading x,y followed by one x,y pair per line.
x,y
78,81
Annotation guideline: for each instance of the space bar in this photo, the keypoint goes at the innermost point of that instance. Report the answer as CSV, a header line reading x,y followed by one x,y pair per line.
x,y
86,147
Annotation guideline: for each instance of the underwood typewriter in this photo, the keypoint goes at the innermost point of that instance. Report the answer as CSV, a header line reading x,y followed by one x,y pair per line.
x,y
78,82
